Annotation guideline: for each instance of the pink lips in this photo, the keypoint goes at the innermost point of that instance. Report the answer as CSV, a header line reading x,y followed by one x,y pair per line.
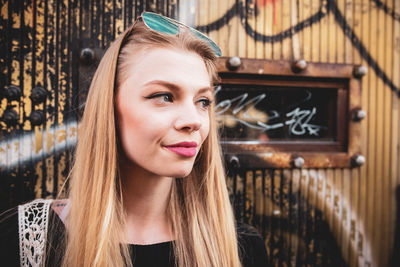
x,y
186,149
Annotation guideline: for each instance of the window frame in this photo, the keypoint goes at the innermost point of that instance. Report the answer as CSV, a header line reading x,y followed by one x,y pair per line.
x,y
281,154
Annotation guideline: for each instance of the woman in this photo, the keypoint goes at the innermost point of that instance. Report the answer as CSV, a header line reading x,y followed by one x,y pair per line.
x,y
148,186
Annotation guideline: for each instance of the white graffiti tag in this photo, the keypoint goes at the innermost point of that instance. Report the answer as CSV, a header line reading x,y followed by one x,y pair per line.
x,y
299,122
297,119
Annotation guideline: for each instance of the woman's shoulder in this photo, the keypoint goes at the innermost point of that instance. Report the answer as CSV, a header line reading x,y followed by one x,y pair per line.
x,y
252,250
26,221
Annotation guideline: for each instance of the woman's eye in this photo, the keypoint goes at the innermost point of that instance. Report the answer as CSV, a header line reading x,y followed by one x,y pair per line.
x,y
205,103
162,97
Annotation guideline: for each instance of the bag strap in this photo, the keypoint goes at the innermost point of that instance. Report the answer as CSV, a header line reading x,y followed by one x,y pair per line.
x,y
32,226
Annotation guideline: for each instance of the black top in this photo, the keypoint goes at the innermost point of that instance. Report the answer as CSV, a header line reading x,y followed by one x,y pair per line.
x,y
251,246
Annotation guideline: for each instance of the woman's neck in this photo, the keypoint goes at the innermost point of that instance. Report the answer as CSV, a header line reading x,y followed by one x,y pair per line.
x,y
145,197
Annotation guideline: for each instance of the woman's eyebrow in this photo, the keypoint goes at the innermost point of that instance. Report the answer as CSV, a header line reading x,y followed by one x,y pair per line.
x,y
205,90
169,85
176,87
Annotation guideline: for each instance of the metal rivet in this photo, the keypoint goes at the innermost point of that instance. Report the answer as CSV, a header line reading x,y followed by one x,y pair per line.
x,y
358,160
12,92
234,162
276,212
298,162
299,66
234,63
358,114
37,117
87,56
10,117
38,95
360,71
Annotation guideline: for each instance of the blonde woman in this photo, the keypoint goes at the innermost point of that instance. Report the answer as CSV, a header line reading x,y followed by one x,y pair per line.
x,y
148,186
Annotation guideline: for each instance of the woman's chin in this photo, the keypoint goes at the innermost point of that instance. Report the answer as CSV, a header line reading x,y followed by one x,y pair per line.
x,y
176,169
181,174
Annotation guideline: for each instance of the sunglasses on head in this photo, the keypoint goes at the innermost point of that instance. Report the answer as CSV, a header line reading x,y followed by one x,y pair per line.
x,y
166,25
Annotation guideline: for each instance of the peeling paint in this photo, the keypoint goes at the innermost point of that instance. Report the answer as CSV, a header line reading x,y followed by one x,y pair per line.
x,y
54,140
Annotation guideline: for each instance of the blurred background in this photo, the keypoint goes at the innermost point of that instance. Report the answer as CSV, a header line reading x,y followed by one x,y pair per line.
x,y
308,106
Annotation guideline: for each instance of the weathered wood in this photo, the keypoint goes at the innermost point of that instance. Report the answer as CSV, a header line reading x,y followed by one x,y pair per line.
x,y
386,46
395,122
286,52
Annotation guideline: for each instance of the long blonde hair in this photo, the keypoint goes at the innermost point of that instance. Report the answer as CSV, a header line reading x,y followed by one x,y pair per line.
x,y
199,208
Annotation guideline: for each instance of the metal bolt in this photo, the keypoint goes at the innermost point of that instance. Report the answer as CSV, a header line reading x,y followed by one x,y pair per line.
x,y
234,162
233,63
358,160
276,212
358,114
12,92
360,71
37,117
298,162
299,66
38,95
87,56
10,117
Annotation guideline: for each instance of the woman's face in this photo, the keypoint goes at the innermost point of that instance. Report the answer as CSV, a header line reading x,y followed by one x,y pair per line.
x,y
162,109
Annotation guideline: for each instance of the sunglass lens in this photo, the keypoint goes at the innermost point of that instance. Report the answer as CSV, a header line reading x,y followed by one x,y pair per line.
x,y
159,23
213,45
165,25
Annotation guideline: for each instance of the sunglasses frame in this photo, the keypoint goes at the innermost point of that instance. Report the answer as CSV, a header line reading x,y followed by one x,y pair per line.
x,y
200,35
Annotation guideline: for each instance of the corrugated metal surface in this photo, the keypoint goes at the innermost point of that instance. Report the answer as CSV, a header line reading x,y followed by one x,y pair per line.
x,y
308,217
358,204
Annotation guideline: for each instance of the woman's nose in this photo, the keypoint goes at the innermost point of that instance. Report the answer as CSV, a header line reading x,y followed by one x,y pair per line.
x,y
188,119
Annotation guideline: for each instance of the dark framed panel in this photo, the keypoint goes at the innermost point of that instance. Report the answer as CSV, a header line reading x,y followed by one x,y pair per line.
x,y
270,115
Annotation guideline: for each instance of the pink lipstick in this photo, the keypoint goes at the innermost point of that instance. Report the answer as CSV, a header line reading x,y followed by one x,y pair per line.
x,y
186,149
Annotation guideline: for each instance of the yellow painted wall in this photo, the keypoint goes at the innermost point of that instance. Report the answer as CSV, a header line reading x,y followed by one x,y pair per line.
x,y
359,204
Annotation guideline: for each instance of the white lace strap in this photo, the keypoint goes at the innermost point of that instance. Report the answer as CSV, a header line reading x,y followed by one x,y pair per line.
x,y
33,222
